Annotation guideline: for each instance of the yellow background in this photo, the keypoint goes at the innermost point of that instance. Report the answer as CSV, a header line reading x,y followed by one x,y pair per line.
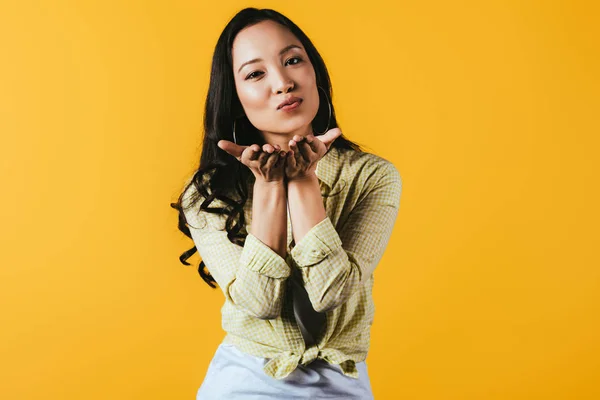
x,y
490,287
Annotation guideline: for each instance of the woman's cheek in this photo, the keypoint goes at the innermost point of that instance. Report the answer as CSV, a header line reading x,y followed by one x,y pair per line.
x,y
253,97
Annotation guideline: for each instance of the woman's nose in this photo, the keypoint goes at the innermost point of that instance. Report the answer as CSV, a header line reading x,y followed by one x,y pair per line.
x,y
283,84
284,88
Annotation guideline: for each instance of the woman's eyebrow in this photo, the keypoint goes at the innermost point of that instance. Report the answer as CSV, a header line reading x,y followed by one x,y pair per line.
x,y
286,48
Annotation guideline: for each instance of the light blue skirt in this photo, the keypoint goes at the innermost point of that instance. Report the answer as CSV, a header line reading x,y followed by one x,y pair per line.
x,y
234,375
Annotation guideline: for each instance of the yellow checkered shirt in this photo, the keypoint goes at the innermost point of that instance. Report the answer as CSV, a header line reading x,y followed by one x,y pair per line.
x,y
335,260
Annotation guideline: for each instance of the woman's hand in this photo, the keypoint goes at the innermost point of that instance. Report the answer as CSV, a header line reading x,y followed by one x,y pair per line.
x,y
267,164
306,151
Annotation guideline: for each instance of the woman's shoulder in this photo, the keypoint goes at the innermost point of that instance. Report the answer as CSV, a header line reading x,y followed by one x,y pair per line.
x,y
356,162
193,197
192,200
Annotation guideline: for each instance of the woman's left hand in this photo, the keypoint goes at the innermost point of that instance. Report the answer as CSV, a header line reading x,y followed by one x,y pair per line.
x,y
306,151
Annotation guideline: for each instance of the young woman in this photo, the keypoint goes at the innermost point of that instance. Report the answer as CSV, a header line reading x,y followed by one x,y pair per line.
x,y
289,217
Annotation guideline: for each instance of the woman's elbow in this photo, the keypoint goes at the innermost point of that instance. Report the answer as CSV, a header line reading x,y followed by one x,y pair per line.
x,y
260,308
336,295
255,303
323,307
266,312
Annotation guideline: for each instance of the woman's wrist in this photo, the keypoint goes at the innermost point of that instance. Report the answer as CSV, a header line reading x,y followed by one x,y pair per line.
x,y
308,177
269,184
269,214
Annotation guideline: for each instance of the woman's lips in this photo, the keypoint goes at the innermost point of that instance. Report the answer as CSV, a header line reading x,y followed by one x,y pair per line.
x,y
292,106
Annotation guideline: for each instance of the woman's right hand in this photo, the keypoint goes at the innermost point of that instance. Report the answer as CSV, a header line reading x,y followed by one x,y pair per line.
x,y
267,164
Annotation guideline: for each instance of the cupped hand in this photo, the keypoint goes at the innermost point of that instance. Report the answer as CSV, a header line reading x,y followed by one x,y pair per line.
x,y
306,151
266,163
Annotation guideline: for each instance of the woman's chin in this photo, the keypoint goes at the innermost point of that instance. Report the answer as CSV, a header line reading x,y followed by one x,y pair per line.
x,y
301,123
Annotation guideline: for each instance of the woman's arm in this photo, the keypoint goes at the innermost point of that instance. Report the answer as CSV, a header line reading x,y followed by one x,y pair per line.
x,y
306,205
334,265
304,192
253,276
269,215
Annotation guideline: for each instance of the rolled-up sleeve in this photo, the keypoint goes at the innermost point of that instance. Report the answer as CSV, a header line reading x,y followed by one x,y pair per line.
x,y
260,258
251,276
334,263
319,242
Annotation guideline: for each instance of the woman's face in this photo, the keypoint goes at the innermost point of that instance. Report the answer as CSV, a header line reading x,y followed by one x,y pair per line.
x,y
283,70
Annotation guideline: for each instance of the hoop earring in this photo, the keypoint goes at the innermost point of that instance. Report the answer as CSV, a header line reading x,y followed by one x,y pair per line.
x,y
329,105
234,138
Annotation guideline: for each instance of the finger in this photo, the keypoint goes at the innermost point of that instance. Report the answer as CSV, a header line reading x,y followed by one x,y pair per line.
x,y
231,148
262,158
296,150
268,148
271,160
281,159
292,145
305,150
330,136
292,154
291,159
314,146
297,154
254,152
312,142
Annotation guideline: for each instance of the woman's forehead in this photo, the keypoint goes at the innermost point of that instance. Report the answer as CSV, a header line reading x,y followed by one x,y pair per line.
x,y
265,39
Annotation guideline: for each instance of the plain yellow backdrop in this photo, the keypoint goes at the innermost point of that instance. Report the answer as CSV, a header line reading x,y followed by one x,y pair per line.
x,y
490,287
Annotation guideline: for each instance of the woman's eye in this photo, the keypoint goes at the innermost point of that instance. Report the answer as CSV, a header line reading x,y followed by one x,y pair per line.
x,y
252,75
295,58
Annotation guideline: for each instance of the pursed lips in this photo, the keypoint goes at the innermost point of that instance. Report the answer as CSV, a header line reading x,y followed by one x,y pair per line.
x,y
291,101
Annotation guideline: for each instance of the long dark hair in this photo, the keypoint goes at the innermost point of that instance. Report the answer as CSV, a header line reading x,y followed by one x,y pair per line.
x,y
220,175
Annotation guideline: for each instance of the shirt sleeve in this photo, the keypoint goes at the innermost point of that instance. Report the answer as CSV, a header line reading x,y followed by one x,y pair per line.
x,y
251,276
333,265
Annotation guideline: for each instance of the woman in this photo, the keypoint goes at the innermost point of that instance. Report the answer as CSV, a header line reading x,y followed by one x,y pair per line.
x,y
289,217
